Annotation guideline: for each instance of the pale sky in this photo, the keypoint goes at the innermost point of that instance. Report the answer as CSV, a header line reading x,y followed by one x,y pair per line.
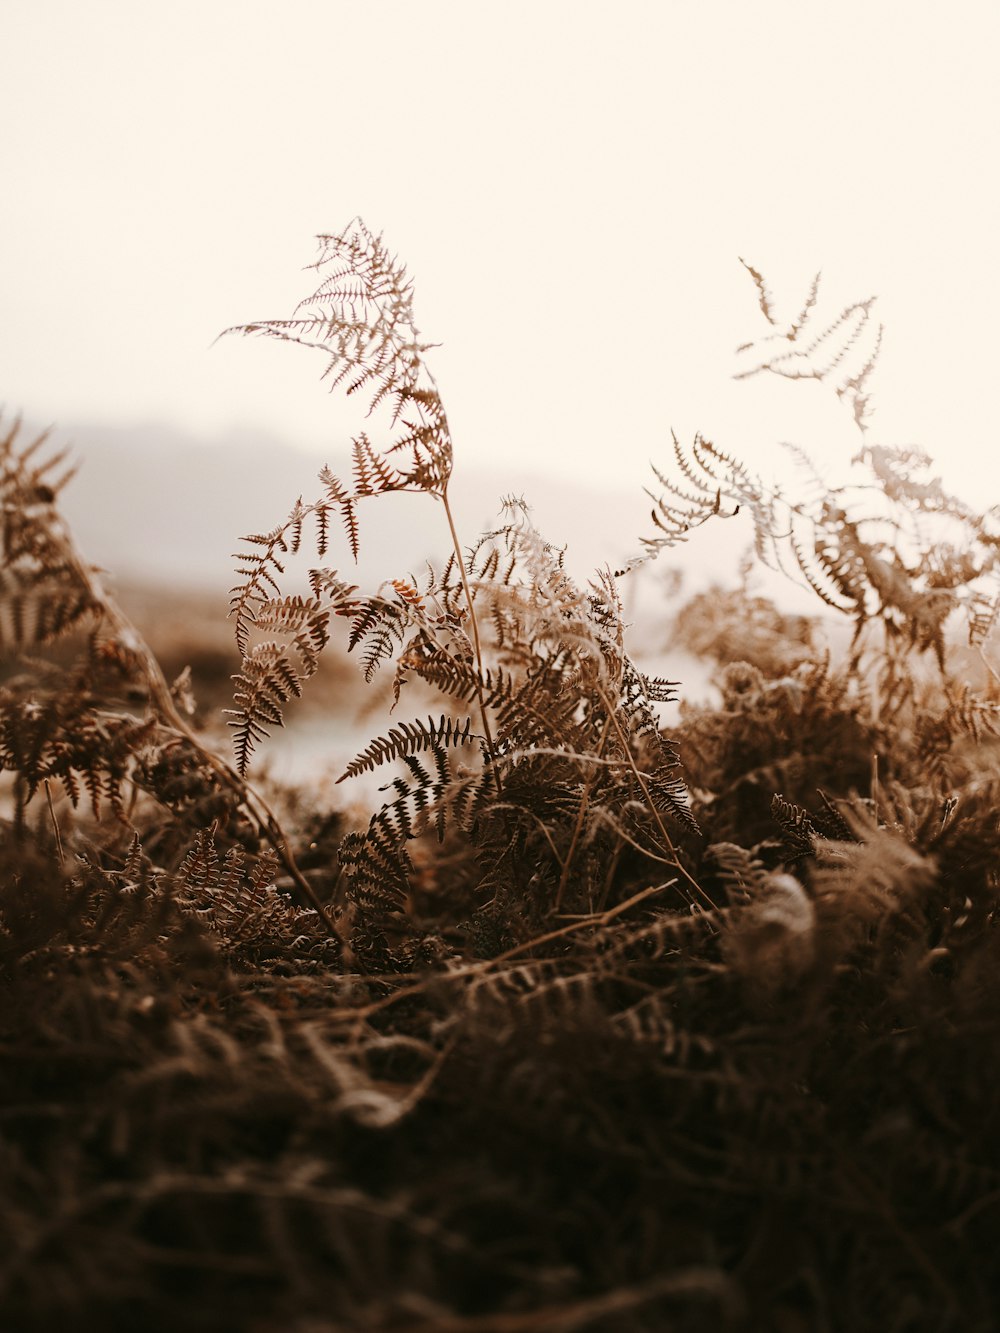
x,y
570,184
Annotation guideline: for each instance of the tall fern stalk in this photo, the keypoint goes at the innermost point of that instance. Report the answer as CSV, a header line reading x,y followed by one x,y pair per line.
x,y
361,317
476,641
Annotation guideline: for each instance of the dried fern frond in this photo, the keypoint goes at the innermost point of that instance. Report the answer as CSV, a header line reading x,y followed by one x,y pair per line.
x,y
361,317
43,594
878,873
234,900
108,724
800,833
411,738
844,353
895,548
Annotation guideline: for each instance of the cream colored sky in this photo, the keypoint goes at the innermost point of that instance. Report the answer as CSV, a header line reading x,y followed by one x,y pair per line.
x,y
570,183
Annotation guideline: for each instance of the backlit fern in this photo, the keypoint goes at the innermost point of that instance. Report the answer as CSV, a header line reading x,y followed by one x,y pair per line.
x,y
893,548
530,1048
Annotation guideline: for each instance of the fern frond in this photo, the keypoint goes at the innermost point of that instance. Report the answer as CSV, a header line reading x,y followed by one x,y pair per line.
x,y
534,715
743,874
378,868
64,736
425,797
680,510
984,615
410,738
800,833
199,867
455,676
428,441
300,616
339,594
268,678
44,592
669,790
337,494
799,323
764,297
372,475
361,317
36,610
380,637
829,351
260,568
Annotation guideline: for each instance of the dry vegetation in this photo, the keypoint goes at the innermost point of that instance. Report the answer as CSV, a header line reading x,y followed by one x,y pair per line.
x,y
590,1026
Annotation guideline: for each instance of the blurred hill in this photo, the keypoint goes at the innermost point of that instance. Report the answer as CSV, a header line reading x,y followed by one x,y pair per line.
x,y
155,506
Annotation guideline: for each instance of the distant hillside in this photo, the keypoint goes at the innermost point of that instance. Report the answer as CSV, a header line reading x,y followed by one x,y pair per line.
x,y
150,503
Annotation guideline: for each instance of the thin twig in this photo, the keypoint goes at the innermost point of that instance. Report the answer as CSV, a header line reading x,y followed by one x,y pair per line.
x,y
644,786
477,646
55,824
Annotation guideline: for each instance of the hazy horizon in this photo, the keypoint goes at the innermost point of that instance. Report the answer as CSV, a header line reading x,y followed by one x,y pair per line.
x,y
155,505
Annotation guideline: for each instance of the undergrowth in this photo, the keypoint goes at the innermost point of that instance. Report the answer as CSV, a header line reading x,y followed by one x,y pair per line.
x,y
593,1025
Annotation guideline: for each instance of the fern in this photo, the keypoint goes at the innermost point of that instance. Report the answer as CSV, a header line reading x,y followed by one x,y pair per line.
x,y
407,739
882,561
80,726
800,833
361,316
538,1055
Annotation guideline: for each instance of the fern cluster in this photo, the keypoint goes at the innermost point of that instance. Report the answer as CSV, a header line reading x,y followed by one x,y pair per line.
x,y
893,548
592,1026
98,717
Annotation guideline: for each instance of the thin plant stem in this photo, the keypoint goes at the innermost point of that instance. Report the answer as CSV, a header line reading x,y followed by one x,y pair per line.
x,y
55,824
644,786
581,817
476,644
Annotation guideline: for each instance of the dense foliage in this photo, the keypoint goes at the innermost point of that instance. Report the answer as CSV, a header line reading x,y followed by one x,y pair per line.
x,y
592,1026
